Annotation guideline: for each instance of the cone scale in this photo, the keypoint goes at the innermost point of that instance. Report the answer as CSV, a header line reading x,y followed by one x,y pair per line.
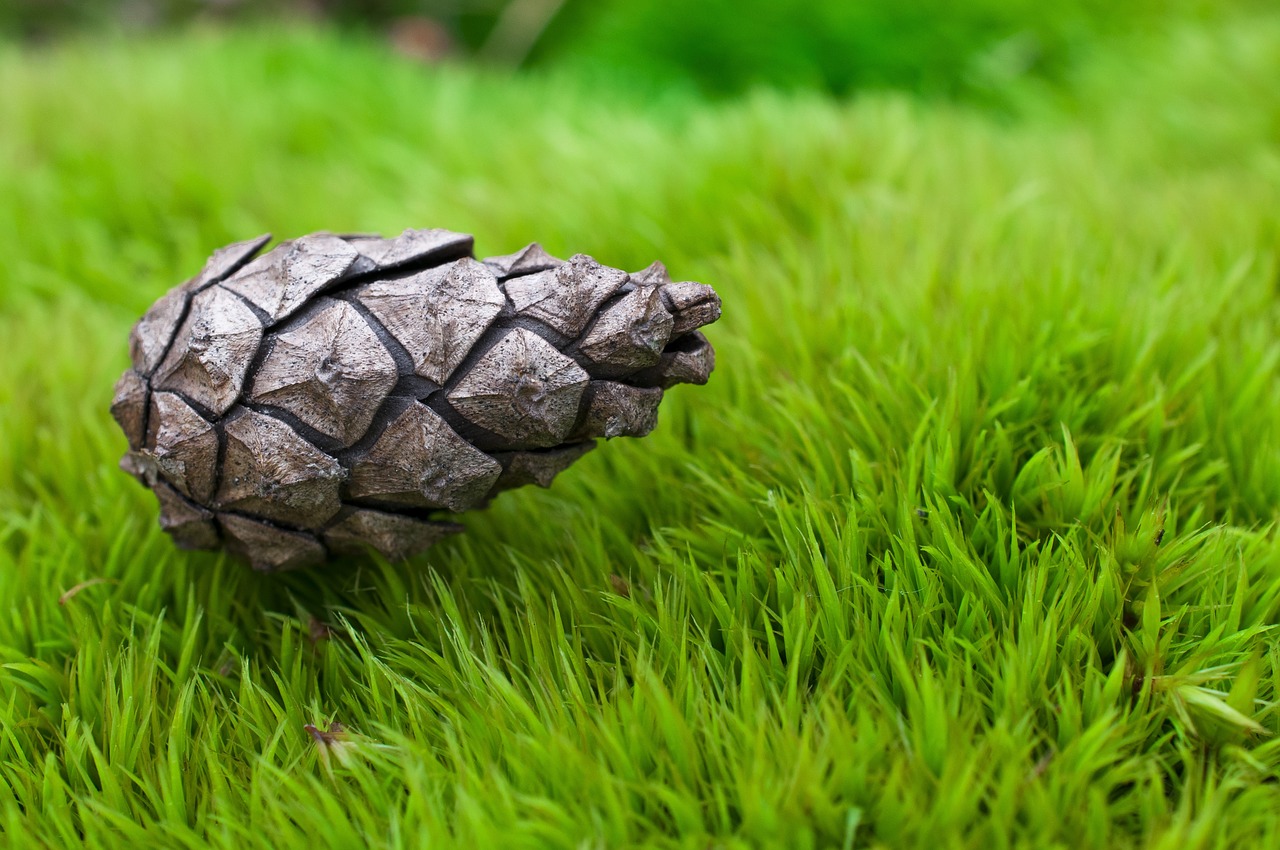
x,y
341,393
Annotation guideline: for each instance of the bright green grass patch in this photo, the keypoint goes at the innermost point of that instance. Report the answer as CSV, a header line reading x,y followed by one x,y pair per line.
x,y
969,542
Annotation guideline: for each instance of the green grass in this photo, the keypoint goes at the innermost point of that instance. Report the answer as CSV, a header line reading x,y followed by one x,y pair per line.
x,y
970,542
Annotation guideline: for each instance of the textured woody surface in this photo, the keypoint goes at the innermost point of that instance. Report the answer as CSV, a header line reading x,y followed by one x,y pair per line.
x,y
523,390
185,446
329,370
339,393
437,314
419,460
208,358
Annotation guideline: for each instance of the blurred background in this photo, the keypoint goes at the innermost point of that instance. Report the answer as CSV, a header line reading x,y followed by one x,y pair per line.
x,y
718,47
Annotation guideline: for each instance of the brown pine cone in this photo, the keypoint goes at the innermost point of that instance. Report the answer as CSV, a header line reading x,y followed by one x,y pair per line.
x,y
338,392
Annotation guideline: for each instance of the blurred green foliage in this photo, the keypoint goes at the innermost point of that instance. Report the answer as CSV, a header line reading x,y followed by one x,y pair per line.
x,y
932,46
48,18
939,47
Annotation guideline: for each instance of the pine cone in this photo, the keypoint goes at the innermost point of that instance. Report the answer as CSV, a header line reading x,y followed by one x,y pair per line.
x,y
338,392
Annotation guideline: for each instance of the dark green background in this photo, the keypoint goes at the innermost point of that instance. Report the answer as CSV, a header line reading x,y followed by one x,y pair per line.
x,y
937,47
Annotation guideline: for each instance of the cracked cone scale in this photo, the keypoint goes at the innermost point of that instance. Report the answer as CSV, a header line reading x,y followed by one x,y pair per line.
x,y
342,392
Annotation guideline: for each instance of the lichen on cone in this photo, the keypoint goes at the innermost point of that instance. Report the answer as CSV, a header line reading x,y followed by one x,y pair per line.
x,y
343,392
